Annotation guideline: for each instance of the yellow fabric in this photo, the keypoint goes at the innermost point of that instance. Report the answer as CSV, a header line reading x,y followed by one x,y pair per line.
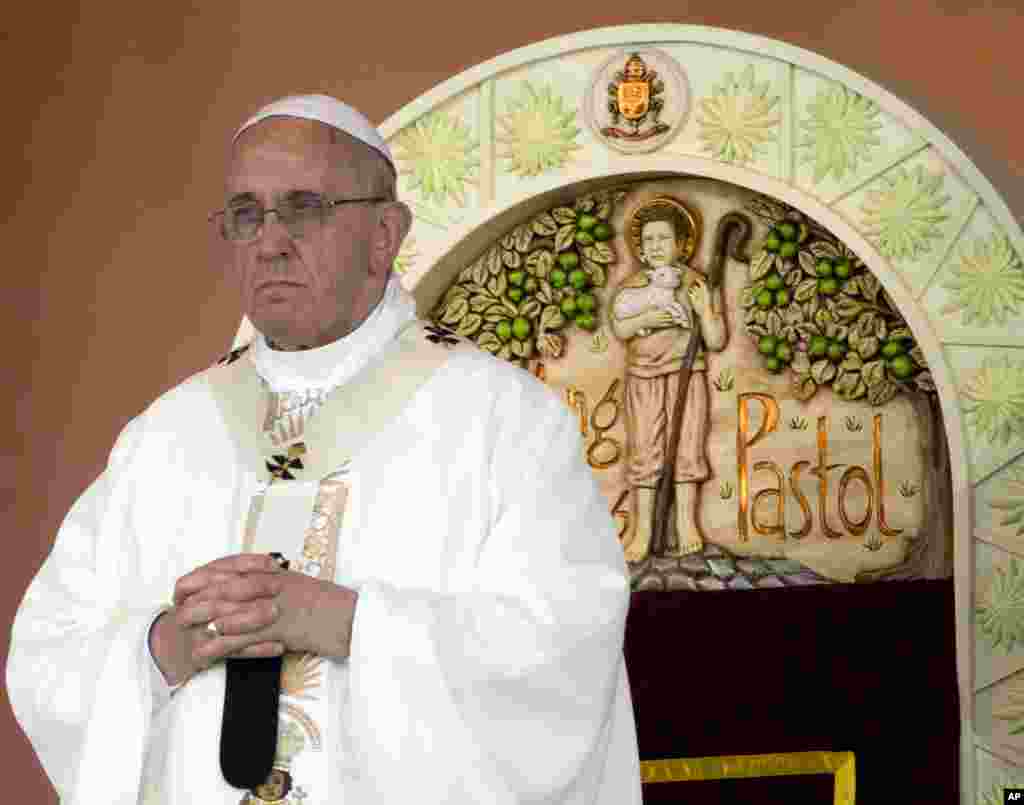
x,y
725,767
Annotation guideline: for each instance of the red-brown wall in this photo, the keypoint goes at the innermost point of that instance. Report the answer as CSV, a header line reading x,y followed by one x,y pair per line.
x,y
116,118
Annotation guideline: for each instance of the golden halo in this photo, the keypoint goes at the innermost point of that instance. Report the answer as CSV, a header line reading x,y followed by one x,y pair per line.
x,y
639,217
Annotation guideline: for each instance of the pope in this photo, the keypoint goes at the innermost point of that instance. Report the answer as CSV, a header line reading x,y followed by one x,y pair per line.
x,y
451,617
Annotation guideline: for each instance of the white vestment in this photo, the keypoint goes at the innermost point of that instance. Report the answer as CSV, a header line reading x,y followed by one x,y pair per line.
x,y
486,658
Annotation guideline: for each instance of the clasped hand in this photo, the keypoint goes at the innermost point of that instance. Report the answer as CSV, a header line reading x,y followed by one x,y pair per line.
x,y
259,610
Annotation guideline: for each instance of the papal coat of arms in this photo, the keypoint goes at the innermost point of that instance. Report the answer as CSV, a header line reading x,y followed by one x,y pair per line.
x,y
635,99
638,100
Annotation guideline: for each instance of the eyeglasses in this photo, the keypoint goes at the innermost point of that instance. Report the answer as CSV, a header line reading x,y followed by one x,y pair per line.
x,y
300,212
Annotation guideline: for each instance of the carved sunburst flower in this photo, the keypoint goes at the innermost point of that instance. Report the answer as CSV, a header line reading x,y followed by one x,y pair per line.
x,y
988,283
1013,502
993,400
300,673
438,154
738,117
839,132
1013,710
538,131
902,217
1001,617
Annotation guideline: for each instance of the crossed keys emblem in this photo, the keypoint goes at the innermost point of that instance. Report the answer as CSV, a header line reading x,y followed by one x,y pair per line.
x,y
280,466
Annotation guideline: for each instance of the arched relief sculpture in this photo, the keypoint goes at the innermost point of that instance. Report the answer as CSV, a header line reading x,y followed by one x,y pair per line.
x,y
753,404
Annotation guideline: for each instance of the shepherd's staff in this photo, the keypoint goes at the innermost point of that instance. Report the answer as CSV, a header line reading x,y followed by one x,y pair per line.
x,y
665,492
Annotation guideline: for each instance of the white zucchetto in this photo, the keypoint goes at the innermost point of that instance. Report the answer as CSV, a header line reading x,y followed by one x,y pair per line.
x,y
325,109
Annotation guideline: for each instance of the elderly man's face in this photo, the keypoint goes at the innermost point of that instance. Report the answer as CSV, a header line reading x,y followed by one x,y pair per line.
x,y
311,290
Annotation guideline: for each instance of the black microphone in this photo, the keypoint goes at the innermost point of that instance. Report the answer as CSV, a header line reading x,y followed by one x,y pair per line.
x,y
248,735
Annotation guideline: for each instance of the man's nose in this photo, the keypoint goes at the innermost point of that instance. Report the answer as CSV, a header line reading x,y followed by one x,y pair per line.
x,y
274,238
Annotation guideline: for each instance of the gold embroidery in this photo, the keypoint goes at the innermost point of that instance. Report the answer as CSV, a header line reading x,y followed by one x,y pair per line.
x,y
307,723
300,675
321,541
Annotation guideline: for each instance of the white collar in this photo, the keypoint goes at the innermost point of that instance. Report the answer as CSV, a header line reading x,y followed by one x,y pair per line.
x,y
327,367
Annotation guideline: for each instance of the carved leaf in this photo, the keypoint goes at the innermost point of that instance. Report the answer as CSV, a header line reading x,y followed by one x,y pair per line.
x,y
469,325
845,384
804,387
496,313
824,249
512,259
505,352
823,372
510,306
481,302
551,318
868,347
870,286
540,262
774,323
808,263
761,265
806,290
529,308
874,373
848,308
852,363
598,275
498,285
565,238
901,332
479,274
456,309
604,209
545,225
545,292
882,393
585,203
493,259
865,323
599,253
808,329
564,215
490,342
523,238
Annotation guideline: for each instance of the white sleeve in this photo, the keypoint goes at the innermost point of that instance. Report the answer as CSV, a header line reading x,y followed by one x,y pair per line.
x,y
74,634
162,690
504,693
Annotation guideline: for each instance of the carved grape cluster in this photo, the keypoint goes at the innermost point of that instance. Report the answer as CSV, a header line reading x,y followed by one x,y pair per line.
x,y
813,307
522,293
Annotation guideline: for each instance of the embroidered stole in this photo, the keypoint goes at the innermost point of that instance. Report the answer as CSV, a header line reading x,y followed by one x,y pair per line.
x,y
299,509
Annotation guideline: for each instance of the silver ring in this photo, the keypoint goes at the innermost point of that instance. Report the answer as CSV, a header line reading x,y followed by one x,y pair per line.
x,y
211,627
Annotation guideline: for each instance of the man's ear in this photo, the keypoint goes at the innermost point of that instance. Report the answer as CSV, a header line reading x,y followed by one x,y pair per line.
x,y
393,224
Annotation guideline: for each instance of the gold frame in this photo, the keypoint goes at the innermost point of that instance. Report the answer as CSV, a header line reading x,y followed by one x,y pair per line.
x,y
730,767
